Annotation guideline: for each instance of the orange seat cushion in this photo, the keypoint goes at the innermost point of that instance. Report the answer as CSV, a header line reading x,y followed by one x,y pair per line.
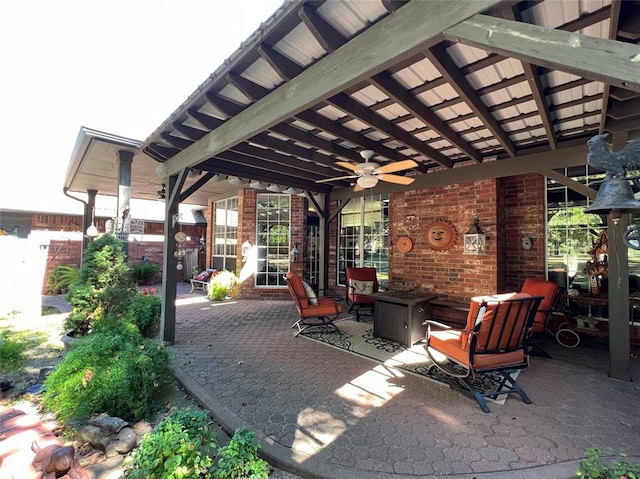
x,y
325,307
297,289
541,287
450,343
474,310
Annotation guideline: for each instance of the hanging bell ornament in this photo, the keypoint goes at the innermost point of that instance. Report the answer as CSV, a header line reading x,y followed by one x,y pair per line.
x,y
614,196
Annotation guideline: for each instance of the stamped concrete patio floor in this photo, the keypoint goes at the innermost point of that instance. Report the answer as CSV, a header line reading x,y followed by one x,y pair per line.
x,y
323,412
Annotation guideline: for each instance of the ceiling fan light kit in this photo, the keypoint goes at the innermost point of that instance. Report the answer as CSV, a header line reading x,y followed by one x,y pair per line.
x,y
367,181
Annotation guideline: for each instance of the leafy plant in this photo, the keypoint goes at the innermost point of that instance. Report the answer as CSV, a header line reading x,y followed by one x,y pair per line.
x,y
595,467
144,272
179,447
113,370
61,277
223,284
103,286
145,312
239,459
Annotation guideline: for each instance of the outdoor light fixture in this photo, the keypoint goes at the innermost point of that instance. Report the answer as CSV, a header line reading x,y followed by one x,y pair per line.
x,y
256,185
246,249
475,241
294,253
274,188
234,180
367,181
92,231
290,191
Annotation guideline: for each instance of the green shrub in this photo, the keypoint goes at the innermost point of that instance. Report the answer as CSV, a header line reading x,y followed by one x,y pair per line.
x,y
180,446
61,277
145,312
239,459
113,370
595,467
143,273
103,287
223,284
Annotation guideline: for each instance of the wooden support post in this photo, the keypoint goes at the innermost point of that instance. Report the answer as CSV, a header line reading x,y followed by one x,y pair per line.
x,y
619,349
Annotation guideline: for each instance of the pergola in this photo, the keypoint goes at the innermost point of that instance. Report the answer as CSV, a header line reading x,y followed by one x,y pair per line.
x,y
467,89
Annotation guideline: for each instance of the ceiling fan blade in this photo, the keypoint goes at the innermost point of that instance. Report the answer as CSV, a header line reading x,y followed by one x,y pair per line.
x,y
357,187
397,179
349,166
329,180
397,166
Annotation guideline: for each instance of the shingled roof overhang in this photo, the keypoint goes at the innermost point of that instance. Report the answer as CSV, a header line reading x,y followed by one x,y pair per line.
x,y
468,90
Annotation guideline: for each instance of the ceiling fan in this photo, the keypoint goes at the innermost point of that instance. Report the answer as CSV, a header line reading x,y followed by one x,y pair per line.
x,y
368,173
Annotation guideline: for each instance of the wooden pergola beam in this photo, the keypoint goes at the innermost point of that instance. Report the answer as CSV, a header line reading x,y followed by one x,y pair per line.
x,y
414,27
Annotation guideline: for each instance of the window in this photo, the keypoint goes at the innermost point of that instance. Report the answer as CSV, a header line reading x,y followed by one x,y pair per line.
x,y
272,239
572,233
225,234
364,236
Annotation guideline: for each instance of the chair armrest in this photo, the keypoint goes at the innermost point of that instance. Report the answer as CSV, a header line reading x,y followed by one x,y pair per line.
x,y
430,322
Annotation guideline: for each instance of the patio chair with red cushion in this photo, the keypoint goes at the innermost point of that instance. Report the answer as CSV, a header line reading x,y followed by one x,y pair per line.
x,y
314,312
552,294
492,346
361,283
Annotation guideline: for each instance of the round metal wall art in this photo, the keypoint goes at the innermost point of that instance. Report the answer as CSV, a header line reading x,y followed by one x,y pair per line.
x,y
404,244
441,235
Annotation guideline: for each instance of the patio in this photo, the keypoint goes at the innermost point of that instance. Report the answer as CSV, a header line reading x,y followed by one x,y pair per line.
x,y
323,412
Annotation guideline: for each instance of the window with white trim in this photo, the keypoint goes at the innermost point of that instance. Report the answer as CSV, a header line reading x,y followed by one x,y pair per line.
x,y
225,234
363,237
273,216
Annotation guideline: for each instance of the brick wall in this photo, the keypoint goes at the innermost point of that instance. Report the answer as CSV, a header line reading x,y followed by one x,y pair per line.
x,y
54,222
61,252
68,252
524,210
516,202
451,274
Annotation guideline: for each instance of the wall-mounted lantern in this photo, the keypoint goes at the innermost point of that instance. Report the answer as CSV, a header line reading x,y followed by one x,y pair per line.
x,y
294,254
475,241
246,249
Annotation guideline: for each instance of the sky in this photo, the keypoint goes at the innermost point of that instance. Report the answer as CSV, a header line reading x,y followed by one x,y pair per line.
x,y
118,66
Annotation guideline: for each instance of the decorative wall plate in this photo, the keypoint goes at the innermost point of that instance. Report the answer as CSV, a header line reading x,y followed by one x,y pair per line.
x,y
404,244
441,235
180,236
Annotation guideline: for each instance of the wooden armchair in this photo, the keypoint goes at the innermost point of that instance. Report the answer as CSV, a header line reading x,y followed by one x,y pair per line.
x,y
552,294
493,344
313,312
361,282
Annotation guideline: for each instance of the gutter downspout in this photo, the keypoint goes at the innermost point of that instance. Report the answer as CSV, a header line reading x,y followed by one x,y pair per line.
x,y
86,215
